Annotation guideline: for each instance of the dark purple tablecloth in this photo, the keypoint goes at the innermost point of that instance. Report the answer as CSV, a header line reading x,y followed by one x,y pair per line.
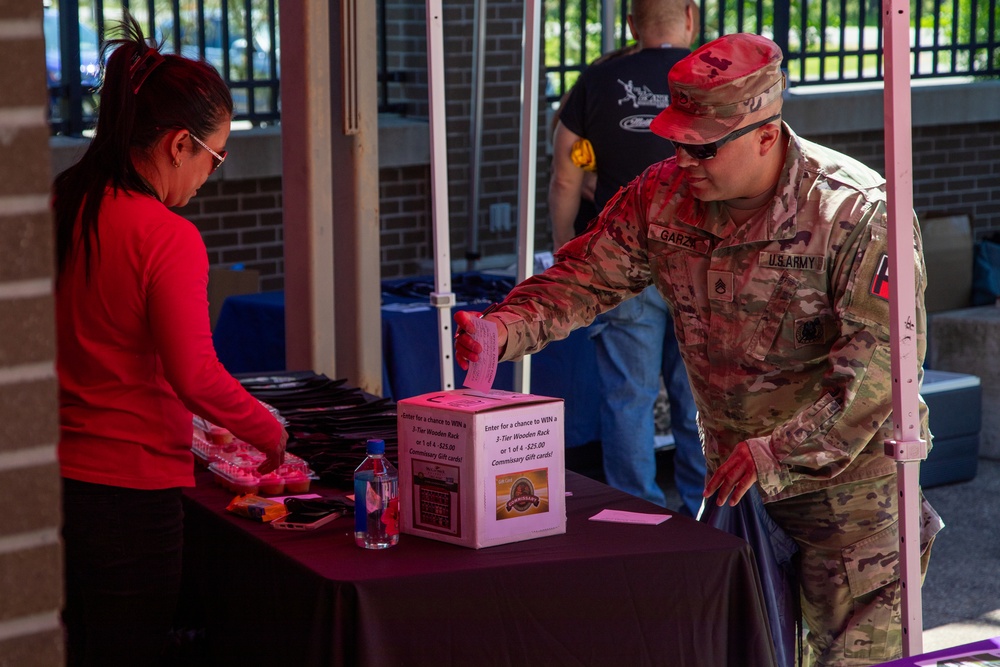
x,y
680,593
983,651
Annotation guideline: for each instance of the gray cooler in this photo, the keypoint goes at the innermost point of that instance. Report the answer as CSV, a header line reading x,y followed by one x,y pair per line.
x,y
955,404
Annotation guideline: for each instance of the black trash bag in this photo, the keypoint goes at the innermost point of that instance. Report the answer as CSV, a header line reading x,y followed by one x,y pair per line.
x,y
773,551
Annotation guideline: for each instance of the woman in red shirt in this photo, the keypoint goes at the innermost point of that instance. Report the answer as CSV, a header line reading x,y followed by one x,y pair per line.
x,y
135,356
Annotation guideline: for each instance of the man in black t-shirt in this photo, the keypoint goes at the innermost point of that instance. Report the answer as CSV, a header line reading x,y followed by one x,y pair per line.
x,y
611,107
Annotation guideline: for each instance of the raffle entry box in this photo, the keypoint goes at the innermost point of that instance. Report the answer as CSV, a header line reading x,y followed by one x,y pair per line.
x,y
482,468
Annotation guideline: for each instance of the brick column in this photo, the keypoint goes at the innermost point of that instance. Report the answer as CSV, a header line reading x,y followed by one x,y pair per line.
x,y
30,550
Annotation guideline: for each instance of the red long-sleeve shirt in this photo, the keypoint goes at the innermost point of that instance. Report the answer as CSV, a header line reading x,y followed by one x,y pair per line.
x,y
135,355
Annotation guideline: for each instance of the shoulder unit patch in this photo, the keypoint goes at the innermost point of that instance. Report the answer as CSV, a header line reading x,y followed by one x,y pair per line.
x,y
880,281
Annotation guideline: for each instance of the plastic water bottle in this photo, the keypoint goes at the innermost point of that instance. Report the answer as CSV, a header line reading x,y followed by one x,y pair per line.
x,y
376,500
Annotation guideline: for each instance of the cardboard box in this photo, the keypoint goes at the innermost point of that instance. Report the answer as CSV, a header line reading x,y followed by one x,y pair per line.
x,y
948,256
481,469
224,283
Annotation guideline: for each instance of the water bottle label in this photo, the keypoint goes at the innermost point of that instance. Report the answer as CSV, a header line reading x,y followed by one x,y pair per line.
x,y
373,500
360,509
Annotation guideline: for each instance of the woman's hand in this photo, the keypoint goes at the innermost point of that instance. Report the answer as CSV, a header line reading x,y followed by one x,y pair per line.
x,y
275,457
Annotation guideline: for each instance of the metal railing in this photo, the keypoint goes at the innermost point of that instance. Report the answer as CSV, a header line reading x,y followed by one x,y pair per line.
x,y
824,41
238,37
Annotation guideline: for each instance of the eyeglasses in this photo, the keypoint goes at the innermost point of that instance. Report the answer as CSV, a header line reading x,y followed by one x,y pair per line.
x,y
709,151
217,159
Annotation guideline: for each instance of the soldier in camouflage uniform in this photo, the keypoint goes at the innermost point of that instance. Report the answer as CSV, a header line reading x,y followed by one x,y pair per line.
x,y
771,252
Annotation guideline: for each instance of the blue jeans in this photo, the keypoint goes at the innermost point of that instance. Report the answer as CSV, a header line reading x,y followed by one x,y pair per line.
x,y
635,343
123,572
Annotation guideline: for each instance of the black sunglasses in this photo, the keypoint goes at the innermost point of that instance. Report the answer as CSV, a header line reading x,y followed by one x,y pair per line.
x,y
709,151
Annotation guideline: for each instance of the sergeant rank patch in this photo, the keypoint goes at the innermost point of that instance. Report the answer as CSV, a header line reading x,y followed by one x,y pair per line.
x,y
720,285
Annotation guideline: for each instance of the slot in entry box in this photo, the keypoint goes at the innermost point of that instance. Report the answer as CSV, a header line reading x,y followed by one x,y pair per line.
x,y
480,469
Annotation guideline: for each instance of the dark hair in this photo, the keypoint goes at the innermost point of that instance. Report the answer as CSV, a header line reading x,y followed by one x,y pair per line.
x,y
144,95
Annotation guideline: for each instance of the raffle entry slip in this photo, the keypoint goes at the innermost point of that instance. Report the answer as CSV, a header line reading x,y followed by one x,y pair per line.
x,y
482,373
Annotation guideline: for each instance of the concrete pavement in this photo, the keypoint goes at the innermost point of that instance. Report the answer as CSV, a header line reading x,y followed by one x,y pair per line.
x,y
961,592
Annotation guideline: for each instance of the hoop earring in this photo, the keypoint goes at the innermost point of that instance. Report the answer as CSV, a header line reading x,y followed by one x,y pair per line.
x,y
177,163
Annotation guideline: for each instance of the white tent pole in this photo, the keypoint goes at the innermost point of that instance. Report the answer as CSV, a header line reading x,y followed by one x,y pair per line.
x,y
531,31
442,297
476,129
907,449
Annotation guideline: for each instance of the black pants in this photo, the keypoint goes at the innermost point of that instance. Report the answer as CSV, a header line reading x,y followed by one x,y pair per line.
x,y
123,572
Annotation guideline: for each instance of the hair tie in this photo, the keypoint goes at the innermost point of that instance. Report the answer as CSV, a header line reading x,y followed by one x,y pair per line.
x,y
143,67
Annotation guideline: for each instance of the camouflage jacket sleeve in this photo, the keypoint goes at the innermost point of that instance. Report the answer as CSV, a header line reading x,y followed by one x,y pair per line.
x,y
839,430
595,272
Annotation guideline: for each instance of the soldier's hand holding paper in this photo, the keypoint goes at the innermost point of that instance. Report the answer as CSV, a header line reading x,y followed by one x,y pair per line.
x,y
467,346
482,372
477,346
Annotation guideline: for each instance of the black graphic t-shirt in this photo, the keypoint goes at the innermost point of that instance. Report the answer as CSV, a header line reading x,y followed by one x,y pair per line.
x,y
612,105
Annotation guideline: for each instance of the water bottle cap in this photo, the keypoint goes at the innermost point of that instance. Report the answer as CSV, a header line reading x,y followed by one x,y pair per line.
x,y
376,446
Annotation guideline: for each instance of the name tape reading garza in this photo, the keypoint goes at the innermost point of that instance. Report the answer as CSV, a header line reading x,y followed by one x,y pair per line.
x,y
679,238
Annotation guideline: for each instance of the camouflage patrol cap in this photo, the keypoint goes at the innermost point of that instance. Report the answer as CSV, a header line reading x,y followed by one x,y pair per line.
x,y
731,81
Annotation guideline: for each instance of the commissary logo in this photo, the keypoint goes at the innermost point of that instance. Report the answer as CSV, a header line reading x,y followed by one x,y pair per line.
x,y
642,96
636,123
522,495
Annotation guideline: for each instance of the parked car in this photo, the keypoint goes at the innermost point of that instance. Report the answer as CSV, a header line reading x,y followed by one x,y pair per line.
x,y
90,64
244,57
258,49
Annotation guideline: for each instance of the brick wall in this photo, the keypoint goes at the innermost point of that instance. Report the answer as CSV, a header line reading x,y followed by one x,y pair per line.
x,y
406,47
30,550
241,222
405,212
956,169
406,57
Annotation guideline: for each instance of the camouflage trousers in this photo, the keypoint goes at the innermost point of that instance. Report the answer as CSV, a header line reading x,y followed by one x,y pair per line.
x,y
849,569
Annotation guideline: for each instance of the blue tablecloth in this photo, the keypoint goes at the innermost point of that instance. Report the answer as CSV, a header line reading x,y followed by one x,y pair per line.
x,y
250,338
249,335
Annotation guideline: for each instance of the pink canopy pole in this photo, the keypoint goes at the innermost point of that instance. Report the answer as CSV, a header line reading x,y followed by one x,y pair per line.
x,y
907,449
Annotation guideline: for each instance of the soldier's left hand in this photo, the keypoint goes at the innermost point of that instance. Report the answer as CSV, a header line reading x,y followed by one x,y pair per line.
x,y
734,477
